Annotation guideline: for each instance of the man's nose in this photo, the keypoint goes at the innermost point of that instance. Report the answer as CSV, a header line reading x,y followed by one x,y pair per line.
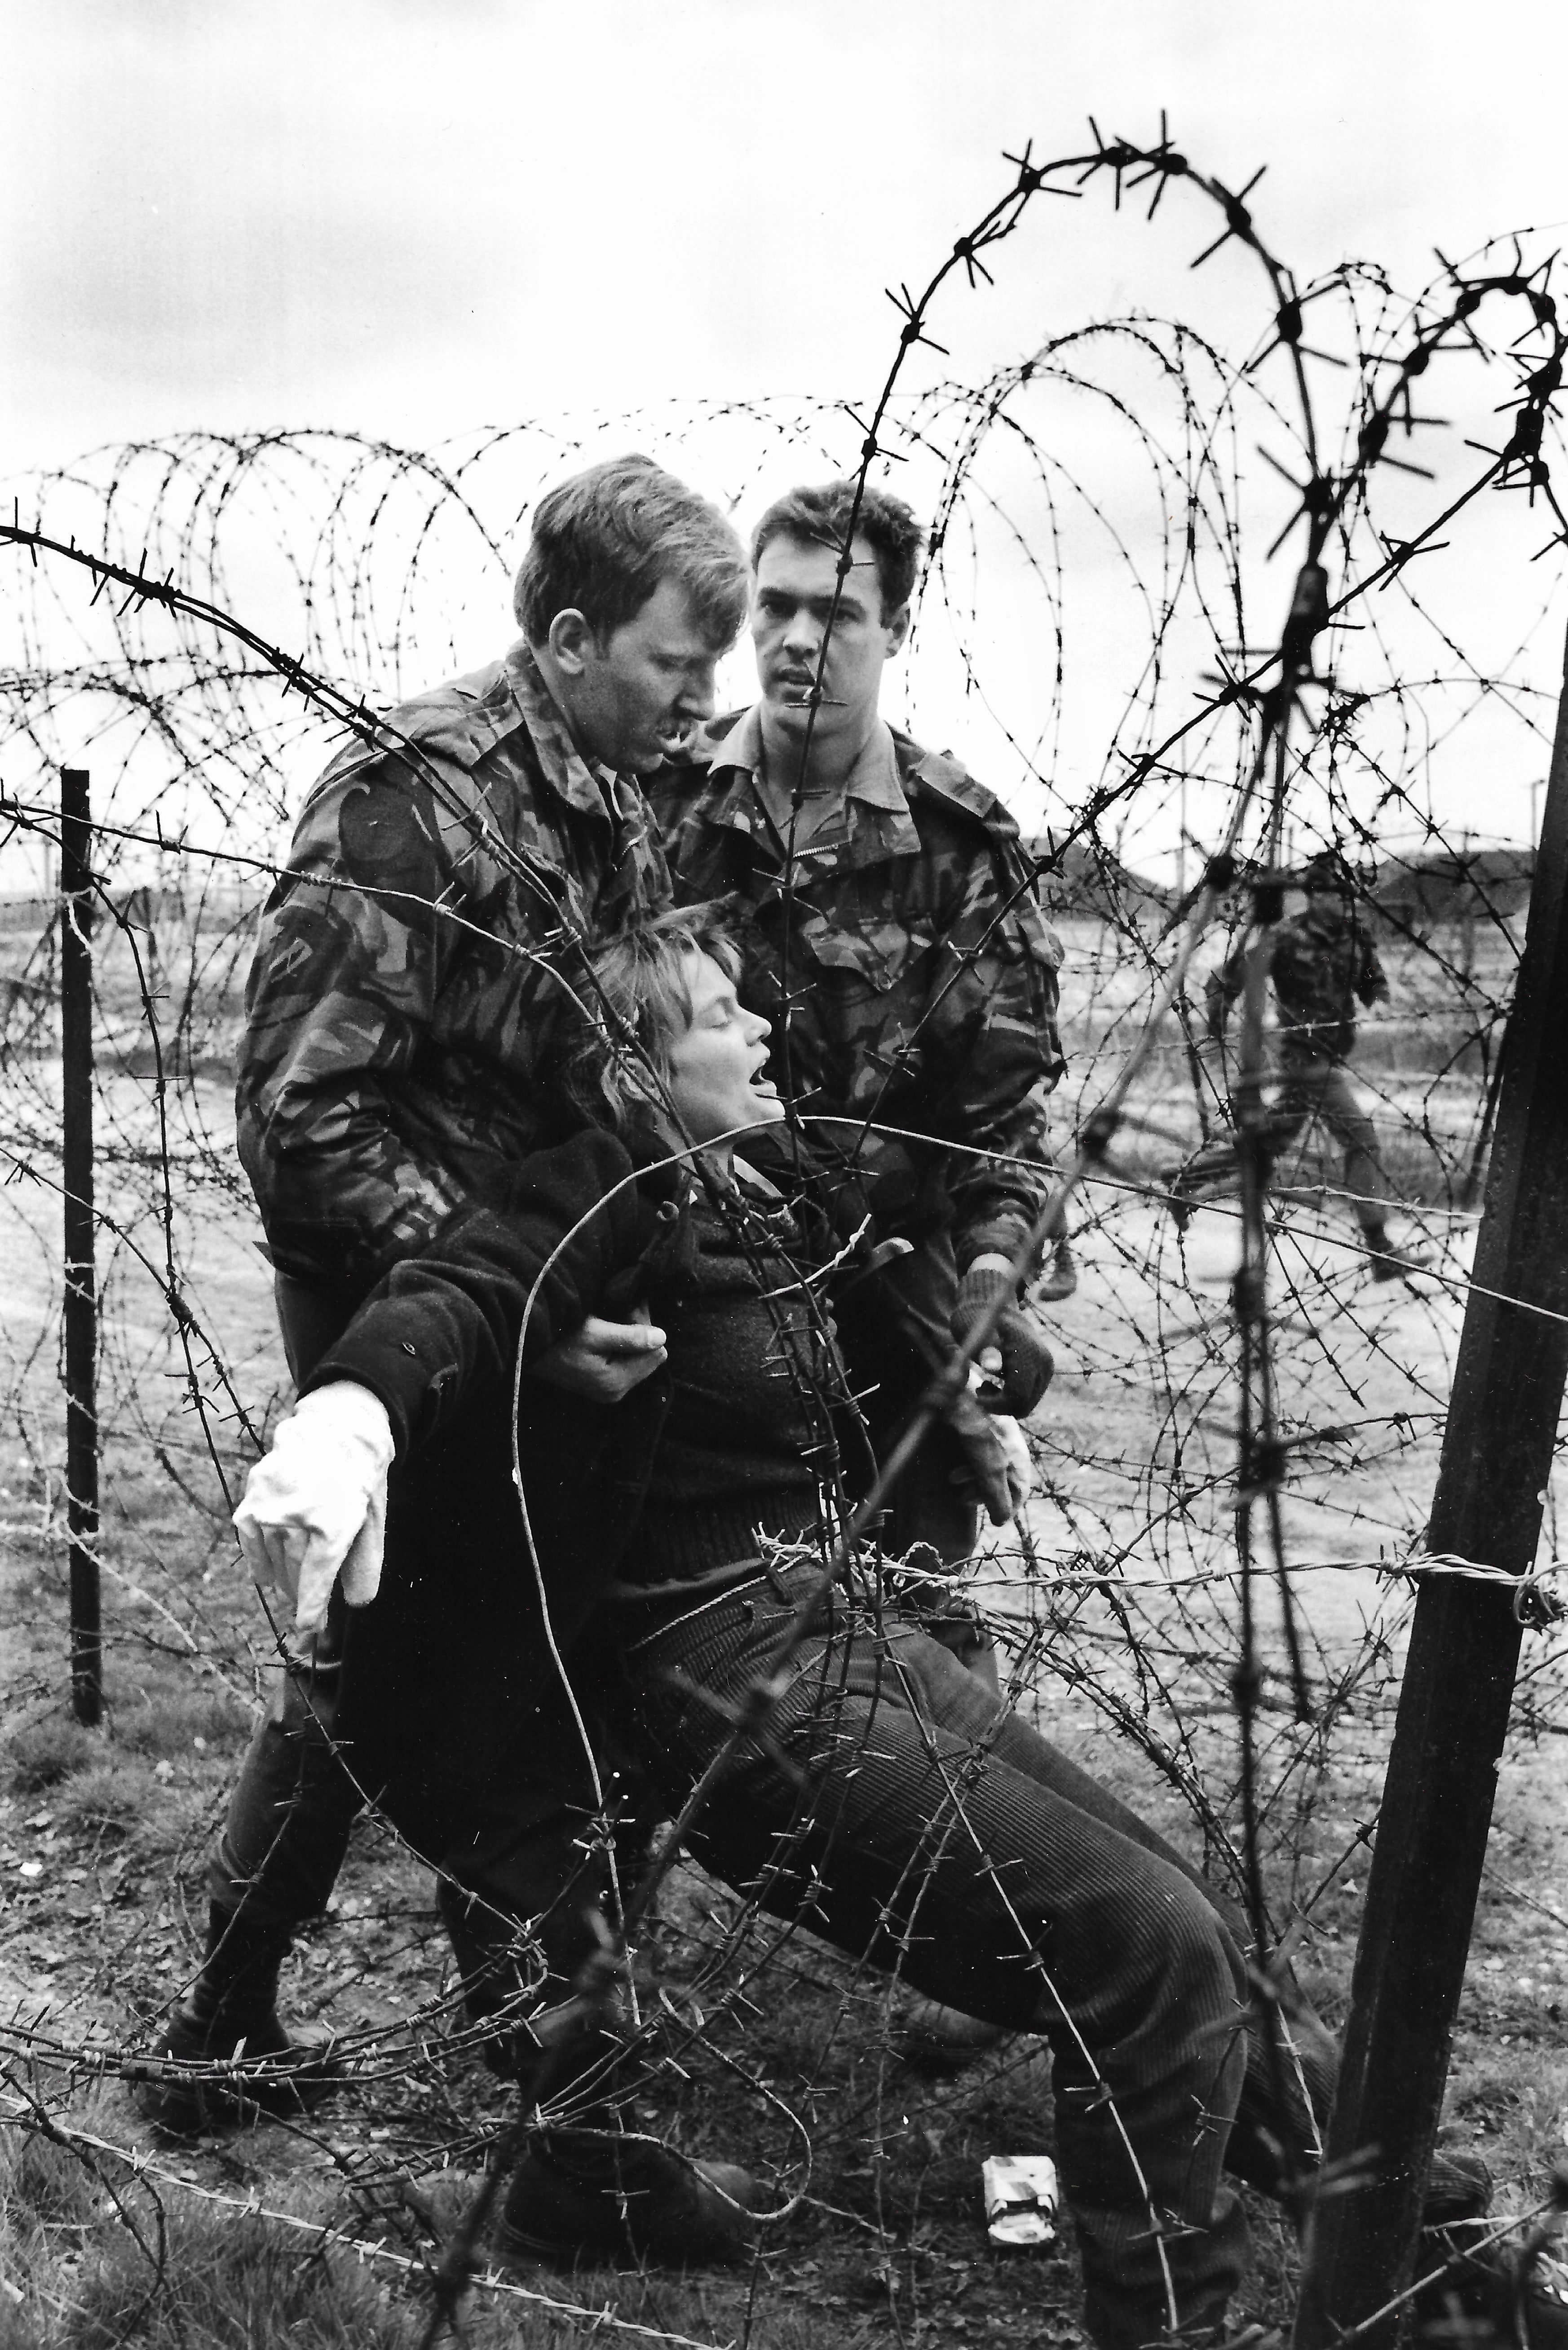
x,y
803,635
700,695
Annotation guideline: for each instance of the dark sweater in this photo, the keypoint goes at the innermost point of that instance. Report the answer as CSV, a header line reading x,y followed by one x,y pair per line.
x,y
583,1233
745,1367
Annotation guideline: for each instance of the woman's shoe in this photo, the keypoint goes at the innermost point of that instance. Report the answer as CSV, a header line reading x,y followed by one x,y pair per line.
x,y
636,2203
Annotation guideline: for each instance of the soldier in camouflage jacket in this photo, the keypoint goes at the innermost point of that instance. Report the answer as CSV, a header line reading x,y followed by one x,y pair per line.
x,y
903,961
406,977
892,936
413,968
1323,965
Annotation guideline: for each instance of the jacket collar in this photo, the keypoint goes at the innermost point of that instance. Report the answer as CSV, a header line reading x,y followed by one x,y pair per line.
x,y
867,822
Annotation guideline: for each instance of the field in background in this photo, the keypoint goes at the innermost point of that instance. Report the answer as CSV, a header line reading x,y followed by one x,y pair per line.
x,y
1119,1612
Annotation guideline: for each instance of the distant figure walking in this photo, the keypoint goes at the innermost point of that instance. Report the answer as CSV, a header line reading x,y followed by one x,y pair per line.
x,y
1324,963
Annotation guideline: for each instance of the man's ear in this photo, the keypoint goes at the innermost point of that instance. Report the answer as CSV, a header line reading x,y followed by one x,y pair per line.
x,y
572,641
896,628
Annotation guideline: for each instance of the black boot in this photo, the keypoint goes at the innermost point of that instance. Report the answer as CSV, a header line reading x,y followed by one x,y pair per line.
x,y
589,2192
934,2039
1391,1264
1486,2295
230,2019
578,2199
1062,1279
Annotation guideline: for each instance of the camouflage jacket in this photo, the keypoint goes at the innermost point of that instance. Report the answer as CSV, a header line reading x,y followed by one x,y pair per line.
x,y
902,958
405,988
1322,962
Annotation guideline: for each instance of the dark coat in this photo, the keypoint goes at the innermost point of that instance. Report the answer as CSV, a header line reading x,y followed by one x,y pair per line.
x,y
475,1597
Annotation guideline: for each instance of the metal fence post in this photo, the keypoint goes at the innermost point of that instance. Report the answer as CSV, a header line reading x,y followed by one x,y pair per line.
x,y
80,1266
1458,1680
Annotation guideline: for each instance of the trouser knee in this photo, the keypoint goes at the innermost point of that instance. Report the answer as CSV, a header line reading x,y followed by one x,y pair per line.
x,y
565,2044
1150,2062
288,1825
524,1908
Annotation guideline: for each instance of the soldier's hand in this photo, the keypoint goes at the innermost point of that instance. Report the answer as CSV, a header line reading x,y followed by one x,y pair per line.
x,y
316,1506
1019,1338
603,1360
998,1471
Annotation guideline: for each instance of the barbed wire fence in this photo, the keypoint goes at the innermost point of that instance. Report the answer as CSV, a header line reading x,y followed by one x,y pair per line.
x,y
194,619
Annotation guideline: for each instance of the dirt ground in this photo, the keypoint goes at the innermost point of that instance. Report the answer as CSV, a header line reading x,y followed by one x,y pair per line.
x,y
102,1838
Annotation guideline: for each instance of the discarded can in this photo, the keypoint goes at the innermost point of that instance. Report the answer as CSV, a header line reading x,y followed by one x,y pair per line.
x,y
1020,2197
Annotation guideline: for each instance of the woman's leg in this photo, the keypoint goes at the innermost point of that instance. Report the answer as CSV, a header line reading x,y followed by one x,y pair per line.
x,y
1277,2137
913,1843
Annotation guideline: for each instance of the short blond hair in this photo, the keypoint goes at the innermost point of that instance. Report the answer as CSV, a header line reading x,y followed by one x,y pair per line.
x,y
604,539
640,985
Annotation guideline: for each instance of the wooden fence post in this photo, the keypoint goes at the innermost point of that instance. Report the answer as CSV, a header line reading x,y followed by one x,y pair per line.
x,y
1459,1678
80,1263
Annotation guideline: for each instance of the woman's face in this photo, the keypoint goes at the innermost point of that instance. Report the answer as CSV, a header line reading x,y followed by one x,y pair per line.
x,y
715,1067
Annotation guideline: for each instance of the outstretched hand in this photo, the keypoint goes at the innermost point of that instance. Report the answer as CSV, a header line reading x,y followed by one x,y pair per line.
x,y
998,1469
315,1506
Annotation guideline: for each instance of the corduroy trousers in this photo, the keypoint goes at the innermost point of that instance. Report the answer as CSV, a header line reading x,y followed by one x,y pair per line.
x,y
897,1810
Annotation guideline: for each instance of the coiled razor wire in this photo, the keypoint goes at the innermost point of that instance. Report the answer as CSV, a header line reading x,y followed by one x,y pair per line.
x,y
194,618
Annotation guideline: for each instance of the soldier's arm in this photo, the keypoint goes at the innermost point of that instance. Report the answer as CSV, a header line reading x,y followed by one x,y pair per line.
x,y
990,1040
1221,988
353,949
1372,979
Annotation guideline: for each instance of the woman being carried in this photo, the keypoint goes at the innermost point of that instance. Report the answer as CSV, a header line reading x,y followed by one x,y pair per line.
x,y
892,1803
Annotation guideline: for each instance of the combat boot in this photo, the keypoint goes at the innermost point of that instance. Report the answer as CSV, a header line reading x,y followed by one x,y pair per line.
x,y
934,2039
1389,1263
229,2018
1061,1280
592,2193
1486,2293
582,2198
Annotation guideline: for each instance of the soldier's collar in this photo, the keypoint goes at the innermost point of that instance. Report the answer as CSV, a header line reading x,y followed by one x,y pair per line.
x,y
874,784
582,785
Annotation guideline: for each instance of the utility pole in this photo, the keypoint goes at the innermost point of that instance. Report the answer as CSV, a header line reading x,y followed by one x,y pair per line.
x,y
1464,1650
80,1261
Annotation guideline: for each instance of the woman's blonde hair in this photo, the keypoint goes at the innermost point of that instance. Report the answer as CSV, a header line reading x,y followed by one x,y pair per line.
x,y
640,986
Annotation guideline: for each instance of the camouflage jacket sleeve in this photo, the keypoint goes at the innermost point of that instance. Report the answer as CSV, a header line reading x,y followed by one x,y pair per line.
x,y
1371,979
1222,986
987,1037
338,1089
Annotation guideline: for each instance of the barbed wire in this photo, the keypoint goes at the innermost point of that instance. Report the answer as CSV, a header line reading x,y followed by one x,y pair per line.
x,y
161,594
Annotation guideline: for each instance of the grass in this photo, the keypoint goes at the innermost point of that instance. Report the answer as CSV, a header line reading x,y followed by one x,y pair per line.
x,y
887,2246
104,1835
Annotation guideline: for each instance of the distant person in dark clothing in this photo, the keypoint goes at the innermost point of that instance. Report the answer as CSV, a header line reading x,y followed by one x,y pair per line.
x,y
1323,965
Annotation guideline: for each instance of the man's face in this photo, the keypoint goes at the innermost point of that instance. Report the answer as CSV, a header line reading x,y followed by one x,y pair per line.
x,y
636,692
791,596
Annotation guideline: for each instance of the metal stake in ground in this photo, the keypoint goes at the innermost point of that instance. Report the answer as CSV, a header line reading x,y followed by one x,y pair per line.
x,y
1464,1647
81,1275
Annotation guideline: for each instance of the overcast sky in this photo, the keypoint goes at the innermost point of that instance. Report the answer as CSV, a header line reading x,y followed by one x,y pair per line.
x,y
415,217
412,216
